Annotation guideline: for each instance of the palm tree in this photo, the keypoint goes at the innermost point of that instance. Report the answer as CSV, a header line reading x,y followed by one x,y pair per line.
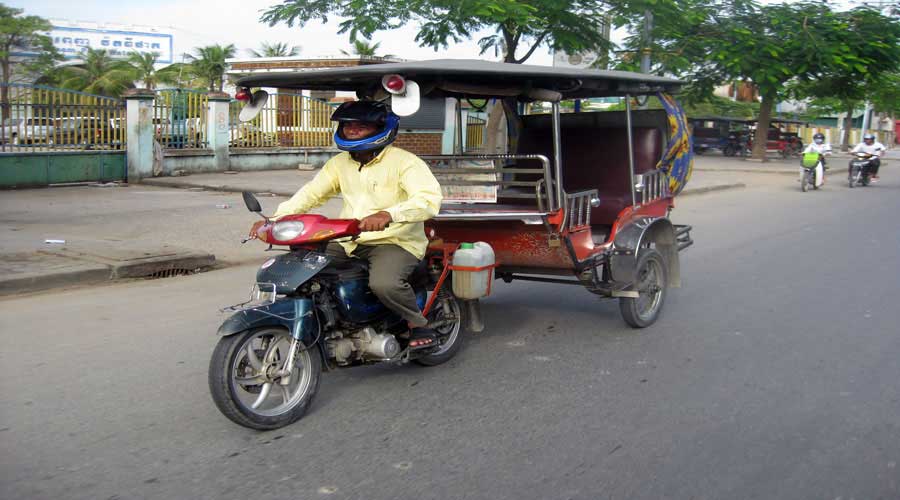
x,y
362,48
209,63
98,74
143,67
277,49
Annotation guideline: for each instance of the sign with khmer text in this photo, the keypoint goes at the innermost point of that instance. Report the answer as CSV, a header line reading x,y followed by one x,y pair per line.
x,y
72,42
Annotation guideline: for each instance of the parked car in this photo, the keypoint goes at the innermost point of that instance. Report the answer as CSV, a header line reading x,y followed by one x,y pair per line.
x,y
86,131
249,135
28,131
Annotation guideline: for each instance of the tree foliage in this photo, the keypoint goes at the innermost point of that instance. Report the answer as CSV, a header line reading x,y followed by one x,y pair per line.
x,y
142,67
98,73
275,49
363,48
24,34
775,46
208,63
520,26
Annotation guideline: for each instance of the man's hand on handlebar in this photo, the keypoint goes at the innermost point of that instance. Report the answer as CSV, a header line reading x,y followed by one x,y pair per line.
x,y
375,222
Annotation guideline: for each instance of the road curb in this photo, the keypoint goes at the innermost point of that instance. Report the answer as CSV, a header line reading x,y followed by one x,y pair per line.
x,y
748,171
58,269
711,189
41,281
212,187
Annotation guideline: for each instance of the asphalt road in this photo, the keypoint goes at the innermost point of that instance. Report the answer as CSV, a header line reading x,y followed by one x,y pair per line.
x,y
772,374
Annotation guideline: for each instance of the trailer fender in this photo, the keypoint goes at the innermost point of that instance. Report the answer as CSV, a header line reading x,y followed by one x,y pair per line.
x,y
637,236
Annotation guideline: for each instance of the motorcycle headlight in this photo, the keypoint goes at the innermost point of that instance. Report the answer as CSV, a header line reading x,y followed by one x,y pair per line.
x,y
287,230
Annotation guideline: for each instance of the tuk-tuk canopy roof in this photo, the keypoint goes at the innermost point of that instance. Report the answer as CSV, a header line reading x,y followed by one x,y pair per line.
x,y
473,79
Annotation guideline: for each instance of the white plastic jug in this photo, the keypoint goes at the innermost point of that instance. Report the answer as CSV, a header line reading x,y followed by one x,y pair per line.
x,y
472,284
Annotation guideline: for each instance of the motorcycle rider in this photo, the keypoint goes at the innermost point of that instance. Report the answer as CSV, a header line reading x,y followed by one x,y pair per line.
x,y
872,147
818,145
391,191
822,148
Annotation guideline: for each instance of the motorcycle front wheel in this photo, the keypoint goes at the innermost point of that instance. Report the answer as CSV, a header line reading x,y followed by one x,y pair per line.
x,y
248,382
804,182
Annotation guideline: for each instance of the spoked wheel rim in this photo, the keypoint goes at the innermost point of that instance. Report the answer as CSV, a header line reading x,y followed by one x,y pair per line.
x,y
448,333
650,289
256,374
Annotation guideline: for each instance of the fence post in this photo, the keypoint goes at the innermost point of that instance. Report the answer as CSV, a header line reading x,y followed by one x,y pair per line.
x,y
139,134
217,131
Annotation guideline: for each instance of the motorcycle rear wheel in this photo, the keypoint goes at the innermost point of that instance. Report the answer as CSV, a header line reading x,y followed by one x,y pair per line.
x,y
244,385
450,337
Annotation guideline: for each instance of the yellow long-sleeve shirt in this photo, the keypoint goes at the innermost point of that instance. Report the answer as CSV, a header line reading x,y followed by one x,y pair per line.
x,y
396,181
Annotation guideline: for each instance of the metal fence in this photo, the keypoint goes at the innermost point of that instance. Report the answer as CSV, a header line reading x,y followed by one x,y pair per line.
x,y
180,118
36,118
475,131
287,120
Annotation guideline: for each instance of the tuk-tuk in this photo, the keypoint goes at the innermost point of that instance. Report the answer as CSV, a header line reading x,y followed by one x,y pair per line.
x,y
729,135
579,198
780,138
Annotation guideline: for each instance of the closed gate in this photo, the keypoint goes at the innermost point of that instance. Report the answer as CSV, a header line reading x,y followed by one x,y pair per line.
x,y
53,136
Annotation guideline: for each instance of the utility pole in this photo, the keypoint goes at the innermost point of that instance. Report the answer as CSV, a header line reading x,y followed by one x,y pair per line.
x,y
645,51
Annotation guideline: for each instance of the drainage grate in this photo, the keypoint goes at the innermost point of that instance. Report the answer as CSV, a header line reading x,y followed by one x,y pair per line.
x,y
170,273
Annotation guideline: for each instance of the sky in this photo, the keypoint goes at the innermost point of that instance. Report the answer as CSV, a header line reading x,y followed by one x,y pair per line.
x,y
204,22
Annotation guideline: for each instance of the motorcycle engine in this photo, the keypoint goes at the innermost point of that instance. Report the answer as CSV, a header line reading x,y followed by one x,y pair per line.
x,y
364,344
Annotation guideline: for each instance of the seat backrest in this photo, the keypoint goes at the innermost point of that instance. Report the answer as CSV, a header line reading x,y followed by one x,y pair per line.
x,y
596,157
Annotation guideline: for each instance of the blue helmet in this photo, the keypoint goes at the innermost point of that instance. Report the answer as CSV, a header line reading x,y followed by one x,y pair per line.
x,y
365,111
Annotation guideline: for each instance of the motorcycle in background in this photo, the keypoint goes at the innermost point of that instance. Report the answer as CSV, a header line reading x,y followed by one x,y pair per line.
x,y
861,169
812,171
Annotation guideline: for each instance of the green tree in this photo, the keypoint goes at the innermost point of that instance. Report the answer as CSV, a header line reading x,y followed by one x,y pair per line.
x,y
769,45
98,73
363,48
143,68
209,64
18,34
885,94
275,49
521,26
874,41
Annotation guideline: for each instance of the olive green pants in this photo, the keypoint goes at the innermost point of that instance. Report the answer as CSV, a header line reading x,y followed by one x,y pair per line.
x,y
389,269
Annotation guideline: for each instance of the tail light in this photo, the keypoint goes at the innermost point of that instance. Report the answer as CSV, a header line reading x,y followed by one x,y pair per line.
x,y
395,84
242,94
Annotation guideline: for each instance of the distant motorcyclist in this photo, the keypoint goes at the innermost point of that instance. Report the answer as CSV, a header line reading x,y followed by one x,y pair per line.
x,y
871,147
818,145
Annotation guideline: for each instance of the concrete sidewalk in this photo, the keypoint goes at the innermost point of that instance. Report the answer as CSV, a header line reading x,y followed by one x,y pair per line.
x,y
76,236
286,182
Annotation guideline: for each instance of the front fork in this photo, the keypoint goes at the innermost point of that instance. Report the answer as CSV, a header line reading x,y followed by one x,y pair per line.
x,y
288,368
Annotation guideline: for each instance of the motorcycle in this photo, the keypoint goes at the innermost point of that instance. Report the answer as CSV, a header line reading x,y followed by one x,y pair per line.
x,y
736,145
306,315
812,171
860,169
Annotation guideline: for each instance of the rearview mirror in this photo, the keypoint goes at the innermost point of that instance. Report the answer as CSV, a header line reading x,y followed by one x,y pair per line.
x,y
251,202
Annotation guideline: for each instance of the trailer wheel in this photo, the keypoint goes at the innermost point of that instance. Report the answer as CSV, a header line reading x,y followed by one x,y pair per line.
x,y
651,283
